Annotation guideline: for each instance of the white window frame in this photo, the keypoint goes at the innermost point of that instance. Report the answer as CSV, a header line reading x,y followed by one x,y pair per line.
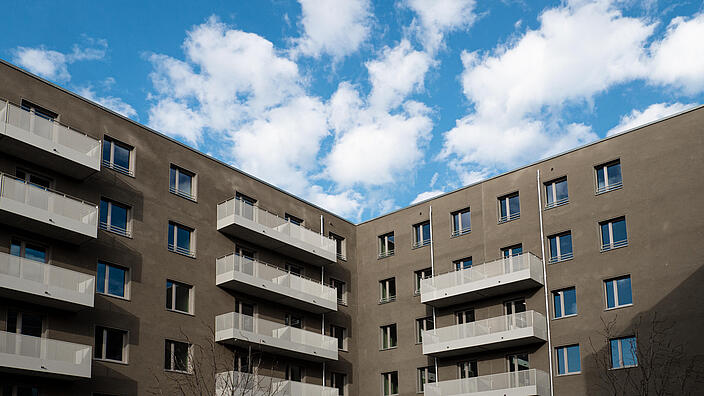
x,y
504,201
616,302
125,345
384,250
561,293
114,229
418,234
619,342
128,280
604,168
552,185
562,350
612,244
173,245
460,229
386,335
189,354
386,285
418,276
423,376
173,297
422,325
560,257
175,190
110,163
388,375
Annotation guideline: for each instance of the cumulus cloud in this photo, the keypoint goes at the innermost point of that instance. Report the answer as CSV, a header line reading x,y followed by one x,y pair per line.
x,y
439,17
111,102
426,195
337,28
53,65
678,60
652,113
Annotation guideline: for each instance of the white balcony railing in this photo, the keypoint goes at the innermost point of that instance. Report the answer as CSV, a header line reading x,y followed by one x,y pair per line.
x,y
519,383
235,383
46,281
249,329
43,355
274,279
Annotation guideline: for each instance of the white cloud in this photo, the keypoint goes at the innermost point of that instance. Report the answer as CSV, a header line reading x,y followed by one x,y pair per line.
x,y
347,203
651,113
438,17
113,103
53,65
678,60
337,28
426,195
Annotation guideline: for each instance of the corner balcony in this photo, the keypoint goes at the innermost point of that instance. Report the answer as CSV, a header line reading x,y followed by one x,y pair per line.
x,y
265,281
518,383
45,142
237,329
501,332
243,220
503,276
233,383
46,212
45,284
27,355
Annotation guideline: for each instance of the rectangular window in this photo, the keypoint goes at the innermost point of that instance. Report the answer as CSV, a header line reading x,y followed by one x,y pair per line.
x,y
112,280
179,297
426,375
38,110
182,182
565,302
389,383
509,208
181,240
623,352
518,362
613,234
115,217
387,289
339,382
560,247
608,177
420,275
461,222
568,361
388,337
34,179
512,251
467,369
340,246
26,323
177,356
294,372
110,344
423,324
117,156
386,245
618,292
464,316
293,219
421,234
341,334
293,321
462,263
28,250
556,193
341,288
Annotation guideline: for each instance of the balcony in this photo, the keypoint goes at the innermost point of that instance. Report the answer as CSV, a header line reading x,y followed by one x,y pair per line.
x,y
262,280
501,332
23,354
244,220
234,383
520,383
45,284
47,212
45,142
503,276
237,329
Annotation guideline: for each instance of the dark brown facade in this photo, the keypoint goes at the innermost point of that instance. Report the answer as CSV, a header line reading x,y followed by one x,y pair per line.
x,y
658,198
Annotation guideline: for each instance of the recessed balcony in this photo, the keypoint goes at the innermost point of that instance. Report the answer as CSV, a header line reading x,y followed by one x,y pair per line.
x,y
246,221
238,329
237,383
28,355
503,276
262,280
45,284
519,383
43,141
501,332
47,212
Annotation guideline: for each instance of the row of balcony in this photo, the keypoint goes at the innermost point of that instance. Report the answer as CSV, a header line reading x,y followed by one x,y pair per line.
x,y
237,383
518,383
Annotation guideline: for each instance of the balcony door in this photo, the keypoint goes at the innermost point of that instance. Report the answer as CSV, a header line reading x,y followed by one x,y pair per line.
x,y
27,269
246,315
29,324
518,366
246,260
512,309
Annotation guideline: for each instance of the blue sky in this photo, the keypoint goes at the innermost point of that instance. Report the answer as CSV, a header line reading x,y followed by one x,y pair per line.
x,y
363,107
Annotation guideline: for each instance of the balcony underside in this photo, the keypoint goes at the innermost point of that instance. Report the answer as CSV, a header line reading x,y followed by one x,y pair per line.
x,y
274,346
481,289
489,342
38,221
43,295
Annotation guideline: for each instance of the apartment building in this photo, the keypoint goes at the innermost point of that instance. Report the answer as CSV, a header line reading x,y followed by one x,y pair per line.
x,y
131,264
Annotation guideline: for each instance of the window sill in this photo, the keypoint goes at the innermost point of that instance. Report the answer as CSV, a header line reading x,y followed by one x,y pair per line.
x,y
381,302
193,255
604,250
619,307
110,361
560,260
388,349
122,234
459,234
607,190
379,257
623,368
184,196
565,317
113,296
127,172
568,374
177,371
509,220
180,312
420,245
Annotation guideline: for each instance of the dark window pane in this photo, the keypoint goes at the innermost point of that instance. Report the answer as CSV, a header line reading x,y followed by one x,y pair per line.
x,y
116,281
573,363
561,190
167,355
183,239
600,178
628,349
107,146
565,244
171,233
100,281
624,291
610,300
169,294
558,307
514,204
180,356
615,360
12,321
98,350
182,298
619,230
184,183
502,206
31,325
104,211
34,252
605,237
172,178
16,248
118,217
570,296
560,361
614,172
553,247
426,232
121,157
113,346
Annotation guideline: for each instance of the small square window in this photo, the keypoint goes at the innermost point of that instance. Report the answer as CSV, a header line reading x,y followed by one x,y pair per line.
x,y
421,234
623,352
426,375
618,292
388,337
568,360
556,193
181,240
112,280
565,302
386,245
560,247
419,276
115,217
608,177
613,234
177,356
110,344
509,208
182,182
118,156
461,223
179,297
387,289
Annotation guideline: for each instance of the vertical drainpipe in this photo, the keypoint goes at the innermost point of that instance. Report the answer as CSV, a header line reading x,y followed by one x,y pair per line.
x,y
322,282
432,273
545,281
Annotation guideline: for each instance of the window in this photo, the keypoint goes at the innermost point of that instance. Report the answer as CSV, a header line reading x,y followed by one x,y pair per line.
x,y
420,275
386,245
341,334
388,337
110,344
518,362
182,182
623,352
117,156
293,219
509,208
26,323
421,234
512,251
340,246
565,302
618,292
389,383
28,250
560,247
244,206
244,360
387,289
423,324
467,369
294,372
293,321
339,382
462,263
112,280
38,110
568,361
613,234
556,193
461,222
181,240
426,375
464,316
341,288
177,356
115,217
21,390
294,269
179,297
608,177
34,179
